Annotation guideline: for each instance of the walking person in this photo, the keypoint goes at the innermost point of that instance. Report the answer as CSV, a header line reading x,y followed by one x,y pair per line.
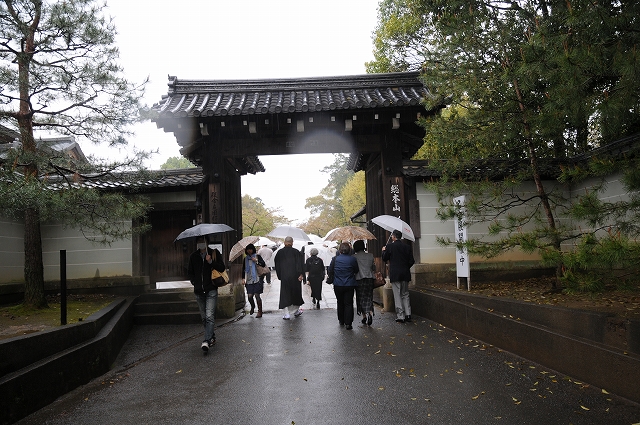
x,y
364,290
289,266
250,279
201,263
266,253
342,272
400,258
315,269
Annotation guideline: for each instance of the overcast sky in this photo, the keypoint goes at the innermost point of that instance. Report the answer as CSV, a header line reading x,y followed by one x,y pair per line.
x,y
244,39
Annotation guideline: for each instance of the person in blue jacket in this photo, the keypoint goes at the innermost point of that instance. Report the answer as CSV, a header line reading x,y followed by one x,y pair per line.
x,y
342,274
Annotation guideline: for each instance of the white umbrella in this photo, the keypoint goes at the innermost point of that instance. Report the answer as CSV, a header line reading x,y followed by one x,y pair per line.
x,y
203,229
265,241
391,223
329,232
283,231
315,238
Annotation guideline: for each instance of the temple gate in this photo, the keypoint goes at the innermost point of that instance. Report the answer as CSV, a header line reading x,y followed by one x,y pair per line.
x,y
224,126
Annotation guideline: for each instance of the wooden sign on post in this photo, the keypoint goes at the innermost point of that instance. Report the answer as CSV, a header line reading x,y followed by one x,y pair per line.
x,y
462,256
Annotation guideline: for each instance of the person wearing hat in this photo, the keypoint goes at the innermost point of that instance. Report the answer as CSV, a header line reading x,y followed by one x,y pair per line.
x,y
314,267
400,258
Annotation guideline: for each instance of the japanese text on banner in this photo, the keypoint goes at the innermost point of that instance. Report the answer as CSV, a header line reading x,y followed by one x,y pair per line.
x,y
462,256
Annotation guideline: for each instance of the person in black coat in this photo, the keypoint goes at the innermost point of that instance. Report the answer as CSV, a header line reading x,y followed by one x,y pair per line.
x,y
289,264
315,268
400,258
201,263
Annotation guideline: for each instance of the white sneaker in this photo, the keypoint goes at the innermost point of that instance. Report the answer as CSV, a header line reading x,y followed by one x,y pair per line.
x,y
286,317
205,346
297,313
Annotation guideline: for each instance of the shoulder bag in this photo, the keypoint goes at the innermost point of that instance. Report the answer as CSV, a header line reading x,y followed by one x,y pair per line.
x,y
262,270
379,281
219,278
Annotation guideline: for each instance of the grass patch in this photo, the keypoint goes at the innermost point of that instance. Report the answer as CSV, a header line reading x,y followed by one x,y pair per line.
x,y
18,320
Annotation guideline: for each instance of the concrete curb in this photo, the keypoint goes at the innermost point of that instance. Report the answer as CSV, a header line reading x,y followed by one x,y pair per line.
x,y
34,386
608,368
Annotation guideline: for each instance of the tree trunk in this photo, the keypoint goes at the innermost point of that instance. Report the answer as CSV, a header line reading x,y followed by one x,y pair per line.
x,y
34,296
544,197
33,266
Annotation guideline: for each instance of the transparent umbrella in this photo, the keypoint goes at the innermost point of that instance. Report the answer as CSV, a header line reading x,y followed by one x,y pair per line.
x,y
283,231
203,229
391,223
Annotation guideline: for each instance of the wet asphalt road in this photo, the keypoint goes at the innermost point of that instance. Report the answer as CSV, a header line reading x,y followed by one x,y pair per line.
x,y
309,370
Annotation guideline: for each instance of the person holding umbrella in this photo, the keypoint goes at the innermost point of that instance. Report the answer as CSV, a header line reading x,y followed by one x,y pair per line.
x,y
364,291
400,258
342,273
201,262
250,279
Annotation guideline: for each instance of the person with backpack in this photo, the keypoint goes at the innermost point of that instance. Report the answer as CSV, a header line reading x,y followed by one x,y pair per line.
x,y
314,267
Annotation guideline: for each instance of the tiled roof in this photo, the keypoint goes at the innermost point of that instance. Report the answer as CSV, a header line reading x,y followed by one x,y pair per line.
x,y
549,167
208,98
152,179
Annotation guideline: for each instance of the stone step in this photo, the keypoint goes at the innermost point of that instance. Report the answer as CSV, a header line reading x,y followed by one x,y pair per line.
x,y
162,295
181,306
183,318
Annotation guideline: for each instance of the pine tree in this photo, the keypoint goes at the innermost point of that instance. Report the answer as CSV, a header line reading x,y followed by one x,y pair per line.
x,y
59,74
524,85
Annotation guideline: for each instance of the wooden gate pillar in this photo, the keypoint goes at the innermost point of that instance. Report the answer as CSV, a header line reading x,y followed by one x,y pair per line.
x,y
223,199
394,200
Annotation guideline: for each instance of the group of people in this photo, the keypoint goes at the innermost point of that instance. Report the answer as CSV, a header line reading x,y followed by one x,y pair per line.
x,y
351,272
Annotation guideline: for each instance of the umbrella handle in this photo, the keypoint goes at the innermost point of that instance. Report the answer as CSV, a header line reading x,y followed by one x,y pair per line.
x,y
388,239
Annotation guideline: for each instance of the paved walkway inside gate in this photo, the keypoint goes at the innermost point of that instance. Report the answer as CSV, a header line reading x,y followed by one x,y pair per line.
x,y
310,370
271,295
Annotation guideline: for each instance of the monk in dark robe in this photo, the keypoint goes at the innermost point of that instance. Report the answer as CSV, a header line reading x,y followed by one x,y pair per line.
x,y
289,269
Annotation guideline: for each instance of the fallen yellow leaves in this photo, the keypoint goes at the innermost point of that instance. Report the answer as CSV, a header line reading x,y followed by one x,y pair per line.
x,y
475,397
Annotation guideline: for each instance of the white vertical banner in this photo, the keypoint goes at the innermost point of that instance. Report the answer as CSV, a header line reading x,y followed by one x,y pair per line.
x,y
462,256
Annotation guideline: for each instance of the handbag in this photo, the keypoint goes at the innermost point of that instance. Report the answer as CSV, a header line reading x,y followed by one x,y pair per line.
x,y
219,278
262,270
379,281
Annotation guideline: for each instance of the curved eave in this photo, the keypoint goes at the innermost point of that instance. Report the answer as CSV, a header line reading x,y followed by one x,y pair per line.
x,y
199,98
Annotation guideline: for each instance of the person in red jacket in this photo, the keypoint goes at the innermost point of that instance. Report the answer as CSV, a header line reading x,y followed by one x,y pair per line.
x,y
400,258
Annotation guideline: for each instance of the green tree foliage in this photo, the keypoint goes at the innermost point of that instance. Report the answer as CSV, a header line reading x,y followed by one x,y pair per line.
x,y
354,195
326,208
176,163
258,220
59,74
524,85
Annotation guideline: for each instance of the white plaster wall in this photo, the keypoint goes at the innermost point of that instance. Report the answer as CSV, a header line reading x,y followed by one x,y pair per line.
x,y
11,251
85,259
432,227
